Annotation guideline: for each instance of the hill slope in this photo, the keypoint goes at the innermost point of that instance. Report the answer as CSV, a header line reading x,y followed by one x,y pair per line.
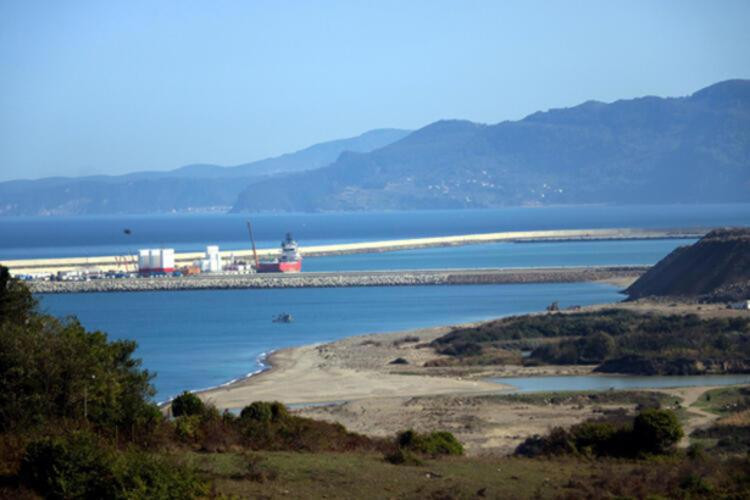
x,y
717,268
193,187
623,152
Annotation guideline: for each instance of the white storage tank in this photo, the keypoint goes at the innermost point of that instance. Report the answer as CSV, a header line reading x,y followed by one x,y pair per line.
x,y
143,260
154,259
213,259
167,259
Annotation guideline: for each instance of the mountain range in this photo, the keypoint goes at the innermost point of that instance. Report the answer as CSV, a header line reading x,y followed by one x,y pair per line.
x,y
190,188
693,149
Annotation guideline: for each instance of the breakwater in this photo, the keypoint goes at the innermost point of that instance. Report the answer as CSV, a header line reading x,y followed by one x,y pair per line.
x,y
343,279
128,262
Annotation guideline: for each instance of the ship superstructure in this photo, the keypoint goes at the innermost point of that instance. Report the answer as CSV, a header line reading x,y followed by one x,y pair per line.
x,y
290,260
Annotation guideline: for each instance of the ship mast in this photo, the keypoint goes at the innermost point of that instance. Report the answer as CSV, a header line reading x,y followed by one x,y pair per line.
x,y
252,239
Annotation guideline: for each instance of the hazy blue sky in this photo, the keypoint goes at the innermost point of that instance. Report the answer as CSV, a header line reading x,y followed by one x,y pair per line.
x,y
112,87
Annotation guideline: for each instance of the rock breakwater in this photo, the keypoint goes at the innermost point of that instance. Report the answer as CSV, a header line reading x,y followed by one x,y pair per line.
x,y
342,279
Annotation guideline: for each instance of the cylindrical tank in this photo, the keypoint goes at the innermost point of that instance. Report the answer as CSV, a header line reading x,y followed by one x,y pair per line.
x,y
154,258
143,259
167,259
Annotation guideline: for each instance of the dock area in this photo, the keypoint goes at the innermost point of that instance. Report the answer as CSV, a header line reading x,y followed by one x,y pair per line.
x,y
115,262
344,279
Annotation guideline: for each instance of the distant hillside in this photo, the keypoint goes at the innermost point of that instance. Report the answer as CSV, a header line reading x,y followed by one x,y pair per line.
x,y
190,188
717,267
692,149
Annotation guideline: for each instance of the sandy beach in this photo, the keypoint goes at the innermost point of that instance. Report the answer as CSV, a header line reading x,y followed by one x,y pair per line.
x,y
354,381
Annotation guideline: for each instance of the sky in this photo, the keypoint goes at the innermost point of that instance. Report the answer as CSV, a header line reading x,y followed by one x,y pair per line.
x,y
93,87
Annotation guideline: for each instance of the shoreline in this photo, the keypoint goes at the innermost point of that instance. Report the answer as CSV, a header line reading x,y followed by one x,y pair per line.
x,y
353,382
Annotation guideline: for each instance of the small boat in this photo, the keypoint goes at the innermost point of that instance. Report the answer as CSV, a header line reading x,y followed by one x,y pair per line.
x,y
283,318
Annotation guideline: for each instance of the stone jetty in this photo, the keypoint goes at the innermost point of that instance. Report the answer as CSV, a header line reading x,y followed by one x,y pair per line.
x,y
342,279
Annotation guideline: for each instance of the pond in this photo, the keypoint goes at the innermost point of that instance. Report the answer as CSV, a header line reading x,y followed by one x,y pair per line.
x,y
606,382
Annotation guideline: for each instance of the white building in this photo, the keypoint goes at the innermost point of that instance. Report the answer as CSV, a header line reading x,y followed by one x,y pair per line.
x,y
212,263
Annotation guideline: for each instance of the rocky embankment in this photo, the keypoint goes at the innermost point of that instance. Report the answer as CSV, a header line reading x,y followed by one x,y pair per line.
x,y
343,279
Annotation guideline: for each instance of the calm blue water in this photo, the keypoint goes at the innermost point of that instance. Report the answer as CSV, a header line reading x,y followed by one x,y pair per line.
x,y
621,382
29,237
198,339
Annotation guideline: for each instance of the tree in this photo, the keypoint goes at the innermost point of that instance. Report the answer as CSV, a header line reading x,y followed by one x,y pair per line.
x,y
56,369
187,404
16,302
598,346
656,431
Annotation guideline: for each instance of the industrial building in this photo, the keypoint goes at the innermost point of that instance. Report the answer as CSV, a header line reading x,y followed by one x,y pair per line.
x,y
156,260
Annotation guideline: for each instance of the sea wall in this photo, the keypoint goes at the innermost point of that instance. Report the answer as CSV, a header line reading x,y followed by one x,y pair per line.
x,y
342,279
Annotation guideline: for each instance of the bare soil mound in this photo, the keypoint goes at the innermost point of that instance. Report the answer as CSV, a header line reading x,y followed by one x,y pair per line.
x,y
716,268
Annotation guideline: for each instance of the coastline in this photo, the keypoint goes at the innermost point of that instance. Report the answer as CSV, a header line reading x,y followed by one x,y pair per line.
x,y
353,382
307,375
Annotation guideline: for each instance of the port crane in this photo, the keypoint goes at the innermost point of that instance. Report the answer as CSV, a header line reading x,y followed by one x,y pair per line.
x,y
252,240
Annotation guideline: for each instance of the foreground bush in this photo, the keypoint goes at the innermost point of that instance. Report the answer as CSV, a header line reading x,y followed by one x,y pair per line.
x,y
80,465
653,431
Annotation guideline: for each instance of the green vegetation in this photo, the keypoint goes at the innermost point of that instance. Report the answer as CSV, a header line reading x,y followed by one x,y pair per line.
x,y
66,434
77,421
188,404
433,444
731,433
652,432
80,465
725,401
640,399
615,339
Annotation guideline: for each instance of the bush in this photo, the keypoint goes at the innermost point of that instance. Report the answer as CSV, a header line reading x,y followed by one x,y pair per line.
x,y
188,404
186,427
142,475
435,443
652,431
76,466
400,456
656,431
263,411
80,465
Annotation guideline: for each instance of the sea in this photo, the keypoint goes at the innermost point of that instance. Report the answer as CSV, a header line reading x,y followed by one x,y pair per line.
x,y
198,339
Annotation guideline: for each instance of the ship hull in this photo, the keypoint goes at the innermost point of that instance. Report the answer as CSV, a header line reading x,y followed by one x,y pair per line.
x,y
280,267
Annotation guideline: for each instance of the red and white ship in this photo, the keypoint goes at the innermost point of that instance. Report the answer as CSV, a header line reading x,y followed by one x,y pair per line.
x,y
290,260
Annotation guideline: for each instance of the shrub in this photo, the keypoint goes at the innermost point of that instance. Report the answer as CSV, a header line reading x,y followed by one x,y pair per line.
x,y
75,466
142,475
656,431
186,427
558,442
434,443
80,465
188,404
652,431
263,411
400,456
